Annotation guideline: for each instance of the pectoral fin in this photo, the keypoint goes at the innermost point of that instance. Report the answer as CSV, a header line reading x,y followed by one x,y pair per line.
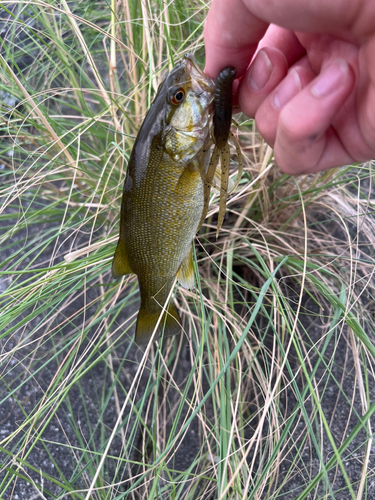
x,y
185,274
120,264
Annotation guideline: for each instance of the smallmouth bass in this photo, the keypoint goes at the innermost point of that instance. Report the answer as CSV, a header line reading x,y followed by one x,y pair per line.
x,y
163,197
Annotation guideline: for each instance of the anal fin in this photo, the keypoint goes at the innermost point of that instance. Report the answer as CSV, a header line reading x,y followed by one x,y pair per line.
x,y
185,274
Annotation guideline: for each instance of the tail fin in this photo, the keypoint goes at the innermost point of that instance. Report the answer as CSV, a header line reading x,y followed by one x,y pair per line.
x,y
146,322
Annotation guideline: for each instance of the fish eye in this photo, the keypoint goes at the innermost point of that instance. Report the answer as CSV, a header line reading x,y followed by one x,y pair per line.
x,y
178,96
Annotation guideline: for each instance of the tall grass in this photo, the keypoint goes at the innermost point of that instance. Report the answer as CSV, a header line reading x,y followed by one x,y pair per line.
x,y
269,391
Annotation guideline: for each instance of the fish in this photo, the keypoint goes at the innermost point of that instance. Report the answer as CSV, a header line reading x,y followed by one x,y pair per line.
x,y
163,196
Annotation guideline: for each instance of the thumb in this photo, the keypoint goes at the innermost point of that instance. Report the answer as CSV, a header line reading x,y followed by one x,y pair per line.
x,y
231,36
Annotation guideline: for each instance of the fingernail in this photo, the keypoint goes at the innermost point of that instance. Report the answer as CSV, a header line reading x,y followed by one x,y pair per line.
x,y
260,71
287,89
330,79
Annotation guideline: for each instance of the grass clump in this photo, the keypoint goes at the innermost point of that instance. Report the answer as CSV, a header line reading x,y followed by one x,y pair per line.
x,y
269,391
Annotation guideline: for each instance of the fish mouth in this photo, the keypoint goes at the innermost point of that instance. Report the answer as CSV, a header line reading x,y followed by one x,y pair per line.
x,y
200,81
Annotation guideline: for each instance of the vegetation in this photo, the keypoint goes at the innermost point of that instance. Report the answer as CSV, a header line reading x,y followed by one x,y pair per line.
x,y
269,392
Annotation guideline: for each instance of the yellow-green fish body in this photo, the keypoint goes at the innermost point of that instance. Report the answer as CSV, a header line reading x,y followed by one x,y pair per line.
x,y
163,195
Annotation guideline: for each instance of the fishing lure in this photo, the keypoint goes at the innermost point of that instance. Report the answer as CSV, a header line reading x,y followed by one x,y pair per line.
x,y
222,120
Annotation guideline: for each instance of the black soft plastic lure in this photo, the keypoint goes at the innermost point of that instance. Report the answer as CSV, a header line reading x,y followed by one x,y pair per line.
x,y
222,118
222,121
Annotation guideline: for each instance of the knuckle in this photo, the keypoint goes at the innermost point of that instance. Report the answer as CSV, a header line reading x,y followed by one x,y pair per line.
x,y
266,128
294,129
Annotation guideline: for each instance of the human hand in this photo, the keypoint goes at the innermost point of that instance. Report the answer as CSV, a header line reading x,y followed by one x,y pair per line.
x,y
311,85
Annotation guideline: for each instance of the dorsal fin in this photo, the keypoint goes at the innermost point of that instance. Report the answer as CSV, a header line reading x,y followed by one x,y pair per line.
x,y
120,264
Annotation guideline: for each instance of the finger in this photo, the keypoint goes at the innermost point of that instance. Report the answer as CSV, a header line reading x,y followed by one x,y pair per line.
x,y
267,115
366,100
285,41
341,17
305,142
265,73
231,36
234,28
